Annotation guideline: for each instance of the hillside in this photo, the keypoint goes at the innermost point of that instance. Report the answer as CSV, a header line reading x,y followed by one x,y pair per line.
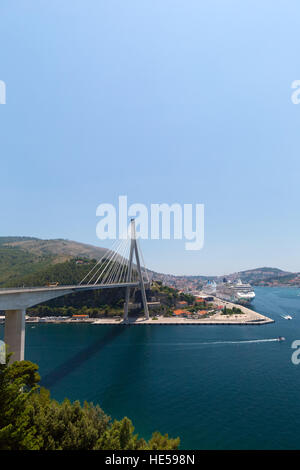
x,y
23,256
59,248
25,259
262,275
28,261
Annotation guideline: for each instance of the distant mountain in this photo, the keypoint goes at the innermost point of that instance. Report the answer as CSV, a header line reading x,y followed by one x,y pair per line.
x,y
261,275
21,256
264,276
59,248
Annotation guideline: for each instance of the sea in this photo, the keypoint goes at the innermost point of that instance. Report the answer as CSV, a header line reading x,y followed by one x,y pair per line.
x,y
216,387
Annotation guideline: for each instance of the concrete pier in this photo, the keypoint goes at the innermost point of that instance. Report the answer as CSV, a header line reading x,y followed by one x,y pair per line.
x,y
14,333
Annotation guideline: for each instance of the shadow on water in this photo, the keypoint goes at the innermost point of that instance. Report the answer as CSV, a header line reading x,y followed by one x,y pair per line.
x,y
76,361
133,360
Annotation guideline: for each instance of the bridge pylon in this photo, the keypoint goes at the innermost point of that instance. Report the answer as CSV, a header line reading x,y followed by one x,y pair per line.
x,y
134,251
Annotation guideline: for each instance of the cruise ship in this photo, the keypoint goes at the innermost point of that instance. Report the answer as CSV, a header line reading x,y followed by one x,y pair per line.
x,y
236,292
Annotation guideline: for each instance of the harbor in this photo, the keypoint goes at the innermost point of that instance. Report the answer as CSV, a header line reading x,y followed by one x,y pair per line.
x,y
217,316
248,317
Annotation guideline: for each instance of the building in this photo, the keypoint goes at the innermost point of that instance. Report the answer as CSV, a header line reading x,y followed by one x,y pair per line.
x,y
179,312
181,304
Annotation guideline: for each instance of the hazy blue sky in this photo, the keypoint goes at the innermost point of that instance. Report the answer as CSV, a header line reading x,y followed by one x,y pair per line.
x,y
161,100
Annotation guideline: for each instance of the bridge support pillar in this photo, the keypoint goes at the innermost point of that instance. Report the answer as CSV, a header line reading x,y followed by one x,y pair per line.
x,y
14,333
127,295
134,250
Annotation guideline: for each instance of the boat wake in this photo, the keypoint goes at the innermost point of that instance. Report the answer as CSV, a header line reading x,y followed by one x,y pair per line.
x,y
207,343
246,341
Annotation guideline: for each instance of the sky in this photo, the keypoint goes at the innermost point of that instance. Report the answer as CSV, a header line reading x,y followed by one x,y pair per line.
x,y
174,101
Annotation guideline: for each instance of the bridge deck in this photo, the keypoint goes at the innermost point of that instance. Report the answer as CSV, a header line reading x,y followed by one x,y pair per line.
x,y
18,290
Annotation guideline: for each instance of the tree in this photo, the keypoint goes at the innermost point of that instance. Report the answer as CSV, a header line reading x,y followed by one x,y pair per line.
x,y
31,420
17,383
158,442
119,436
66,426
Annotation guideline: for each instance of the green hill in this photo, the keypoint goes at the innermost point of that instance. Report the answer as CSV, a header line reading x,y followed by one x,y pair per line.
x,y
28,261
21,257
31,261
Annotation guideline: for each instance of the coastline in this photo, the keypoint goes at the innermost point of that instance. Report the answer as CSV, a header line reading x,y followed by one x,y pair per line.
x,y
248,317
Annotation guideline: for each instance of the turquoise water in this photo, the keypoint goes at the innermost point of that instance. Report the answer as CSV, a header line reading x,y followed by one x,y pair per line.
x,y
217,387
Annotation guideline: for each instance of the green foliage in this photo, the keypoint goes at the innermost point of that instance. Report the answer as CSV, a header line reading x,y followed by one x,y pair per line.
x,y
16,263
119,436
31,420
66,273
201,306
66,426
93,312
17,383
23,256
158,442
232,311
190,299
167,295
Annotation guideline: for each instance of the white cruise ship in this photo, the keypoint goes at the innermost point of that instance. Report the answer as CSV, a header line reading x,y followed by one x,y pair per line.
x,y
235,292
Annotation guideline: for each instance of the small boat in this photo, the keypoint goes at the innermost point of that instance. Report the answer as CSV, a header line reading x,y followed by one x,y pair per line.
x,y
281,338
287,317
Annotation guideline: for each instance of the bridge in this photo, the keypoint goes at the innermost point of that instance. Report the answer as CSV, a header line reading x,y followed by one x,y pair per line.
x,y
116,269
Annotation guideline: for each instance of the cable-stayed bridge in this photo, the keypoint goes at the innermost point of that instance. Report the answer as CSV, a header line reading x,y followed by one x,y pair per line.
x,y
122,267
